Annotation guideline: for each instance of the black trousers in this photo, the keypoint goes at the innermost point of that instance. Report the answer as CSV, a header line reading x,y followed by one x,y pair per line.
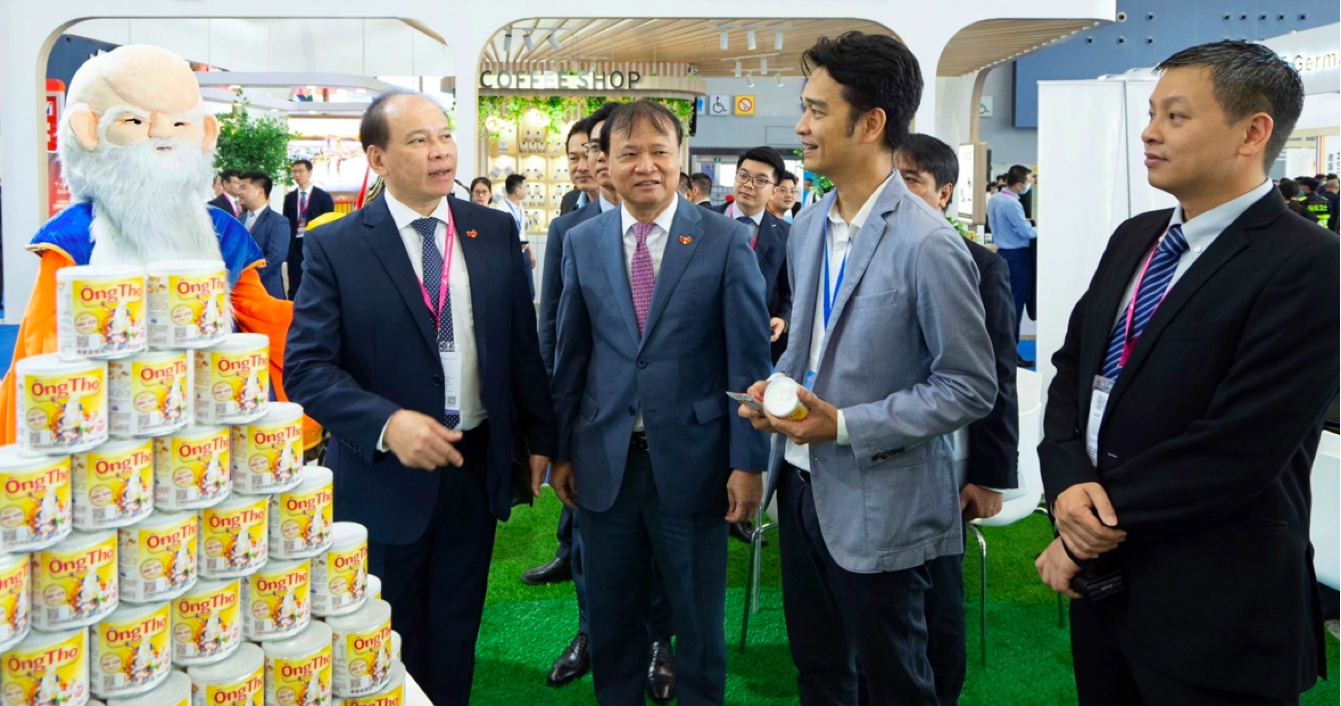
x,y
621,546
836,617
296,270
1106,676
436,585
570,548
946,646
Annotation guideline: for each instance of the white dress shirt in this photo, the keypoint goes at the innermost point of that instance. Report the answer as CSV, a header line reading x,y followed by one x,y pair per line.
x,y
656,247
251,217
463,321
518,215
1200,233
839,242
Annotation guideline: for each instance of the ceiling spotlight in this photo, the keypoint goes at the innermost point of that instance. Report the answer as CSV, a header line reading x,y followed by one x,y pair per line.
x,y
554,42
749,79
749,40
507,42
726,39
763,67
777,41
737,69
530,43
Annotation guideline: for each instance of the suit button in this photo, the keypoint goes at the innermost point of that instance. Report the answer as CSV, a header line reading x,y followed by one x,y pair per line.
x,y
437,381
633,410
642,363
875,458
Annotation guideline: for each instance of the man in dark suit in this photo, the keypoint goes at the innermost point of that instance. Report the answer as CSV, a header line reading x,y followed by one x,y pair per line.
x,y
1178,444
231,180
662,313
414,343
267,228
700,191
930,169
301,205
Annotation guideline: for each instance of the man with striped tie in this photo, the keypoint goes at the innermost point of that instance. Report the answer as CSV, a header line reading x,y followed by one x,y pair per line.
x,y
1187,408
414,343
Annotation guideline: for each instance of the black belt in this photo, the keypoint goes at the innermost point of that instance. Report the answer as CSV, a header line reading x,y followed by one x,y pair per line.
x,y
638,442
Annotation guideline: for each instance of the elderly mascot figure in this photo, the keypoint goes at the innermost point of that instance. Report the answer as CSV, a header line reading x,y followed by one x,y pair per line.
x,y
137,151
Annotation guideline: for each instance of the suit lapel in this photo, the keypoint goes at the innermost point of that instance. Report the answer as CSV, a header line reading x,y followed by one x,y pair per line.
x,y
809,248
476,252
1108,301
860,253
681,243
612,251
768,237
386,244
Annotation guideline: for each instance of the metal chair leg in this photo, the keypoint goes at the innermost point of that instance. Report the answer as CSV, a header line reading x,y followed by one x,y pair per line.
x,y
755,572
982,591
1061,611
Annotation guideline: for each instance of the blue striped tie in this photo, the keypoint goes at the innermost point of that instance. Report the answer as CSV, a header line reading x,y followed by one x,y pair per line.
x,y
428,228
1158,274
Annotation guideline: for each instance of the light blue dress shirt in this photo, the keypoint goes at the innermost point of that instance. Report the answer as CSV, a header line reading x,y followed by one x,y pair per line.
x,y
1010,229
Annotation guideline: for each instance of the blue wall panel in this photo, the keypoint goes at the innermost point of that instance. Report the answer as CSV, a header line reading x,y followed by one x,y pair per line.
x,y
1154,30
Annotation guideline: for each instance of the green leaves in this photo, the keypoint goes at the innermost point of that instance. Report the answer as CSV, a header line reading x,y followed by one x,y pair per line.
x,y
496,111
249,143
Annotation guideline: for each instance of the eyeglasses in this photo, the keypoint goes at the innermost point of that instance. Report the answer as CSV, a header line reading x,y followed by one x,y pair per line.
x,y
786,190
592,149
758,181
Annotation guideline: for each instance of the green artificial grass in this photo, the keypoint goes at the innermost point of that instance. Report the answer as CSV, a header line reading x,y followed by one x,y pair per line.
x,y
1029,659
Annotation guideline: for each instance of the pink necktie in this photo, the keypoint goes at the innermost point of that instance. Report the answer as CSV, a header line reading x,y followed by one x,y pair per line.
x,y
643,277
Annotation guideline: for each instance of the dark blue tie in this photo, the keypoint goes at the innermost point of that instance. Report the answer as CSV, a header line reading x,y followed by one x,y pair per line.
x,y
1153,286
427,228
746,220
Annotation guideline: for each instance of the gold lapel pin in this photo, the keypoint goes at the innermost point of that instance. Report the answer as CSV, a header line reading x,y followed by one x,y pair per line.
x,y
685,240
471,234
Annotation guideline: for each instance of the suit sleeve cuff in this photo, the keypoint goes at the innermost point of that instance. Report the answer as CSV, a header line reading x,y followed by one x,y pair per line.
x,y
381,438
843,438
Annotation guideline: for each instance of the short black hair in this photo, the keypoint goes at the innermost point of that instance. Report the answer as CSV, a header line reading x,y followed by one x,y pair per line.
x,y
630,115
513,182
787,176
685,183
373,129
602,115
1249,78
303,162
1289,188
932,156
764,155
481,180
581,127
261,179
702,182
809,180
1017,174
876,71
229,174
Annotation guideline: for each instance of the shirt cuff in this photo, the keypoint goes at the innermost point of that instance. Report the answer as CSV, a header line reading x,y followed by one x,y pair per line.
x,y
1000,491
843,439
381,447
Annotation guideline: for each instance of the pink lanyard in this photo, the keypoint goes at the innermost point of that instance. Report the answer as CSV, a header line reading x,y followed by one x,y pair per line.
x,y
1129,343
446,277
731,213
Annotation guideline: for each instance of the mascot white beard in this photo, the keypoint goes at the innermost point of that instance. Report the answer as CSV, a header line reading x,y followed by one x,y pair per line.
x,y
147,205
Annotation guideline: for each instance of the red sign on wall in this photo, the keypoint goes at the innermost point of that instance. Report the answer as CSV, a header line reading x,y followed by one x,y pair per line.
x,y
55,106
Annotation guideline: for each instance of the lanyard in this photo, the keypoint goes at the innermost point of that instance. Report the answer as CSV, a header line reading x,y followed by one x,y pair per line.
x,y
442,282
731,213
1129,343
831,293
516,215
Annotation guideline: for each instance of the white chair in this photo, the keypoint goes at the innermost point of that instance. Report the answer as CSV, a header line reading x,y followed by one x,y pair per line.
x,y
1025,501
1325,517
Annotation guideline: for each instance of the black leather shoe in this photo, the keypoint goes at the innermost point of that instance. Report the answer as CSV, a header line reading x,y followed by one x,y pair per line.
x,y
556,571
661,673
742,531
572,664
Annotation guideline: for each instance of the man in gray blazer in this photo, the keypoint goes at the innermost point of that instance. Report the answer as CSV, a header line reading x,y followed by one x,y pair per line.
x,y
662,313
888,337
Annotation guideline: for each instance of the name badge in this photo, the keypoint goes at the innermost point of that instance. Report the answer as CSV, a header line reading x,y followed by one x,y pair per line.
x,y
1103,387
302,228
451,379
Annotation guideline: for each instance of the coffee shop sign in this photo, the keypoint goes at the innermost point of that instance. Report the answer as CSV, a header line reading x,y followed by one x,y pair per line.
x,y
568,80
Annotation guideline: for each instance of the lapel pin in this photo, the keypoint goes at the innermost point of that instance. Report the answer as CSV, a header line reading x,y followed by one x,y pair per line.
x,y
685,240
471,234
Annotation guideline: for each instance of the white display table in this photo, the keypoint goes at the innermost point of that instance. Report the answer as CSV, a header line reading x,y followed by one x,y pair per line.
x,y
415,696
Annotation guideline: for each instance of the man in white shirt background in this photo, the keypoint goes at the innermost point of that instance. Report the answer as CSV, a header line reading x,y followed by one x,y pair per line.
x,y
514,193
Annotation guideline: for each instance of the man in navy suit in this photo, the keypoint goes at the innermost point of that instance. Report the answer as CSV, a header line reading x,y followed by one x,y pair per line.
x,y
414,343
662,314
267,228
301,205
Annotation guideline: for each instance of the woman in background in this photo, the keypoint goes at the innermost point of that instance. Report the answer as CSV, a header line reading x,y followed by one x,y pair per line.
x,y
482,191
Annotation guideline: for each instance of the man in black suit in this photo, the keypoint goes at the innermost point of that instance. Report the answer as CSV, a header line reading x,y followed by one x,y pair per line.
x,y
930,169
231,180
267,228
758,172
414,343
700,190
1178,445
300,206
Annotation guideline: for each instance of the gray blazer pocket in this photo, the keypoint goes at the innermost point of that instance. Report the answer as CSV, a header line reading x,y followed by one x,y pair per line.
x,y
877,300
710,407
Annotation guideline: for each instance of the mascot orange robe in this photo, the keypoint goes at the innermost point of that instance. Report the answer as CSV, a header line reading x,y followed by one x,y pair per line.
x,y
65,242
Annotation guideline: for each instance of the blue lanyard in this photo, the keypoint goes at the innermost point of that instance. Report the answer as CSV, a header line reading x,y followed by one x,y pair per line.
x,y
830,293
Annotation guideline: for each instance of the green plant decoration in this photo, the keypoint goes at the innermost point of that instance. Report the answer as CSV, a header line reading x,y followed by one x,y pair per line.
x,y
822,182
498,111
248,143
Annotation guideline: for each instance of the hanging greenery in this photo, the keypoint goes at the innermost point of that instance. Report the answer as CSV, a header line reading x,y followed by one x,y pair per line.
x,y
822,182
251,144
496,112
